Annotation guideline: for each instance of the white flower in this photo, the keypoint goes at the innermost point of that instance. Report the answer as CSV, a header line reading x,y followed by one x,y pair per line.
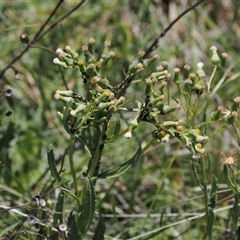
x,y
128,135
56,61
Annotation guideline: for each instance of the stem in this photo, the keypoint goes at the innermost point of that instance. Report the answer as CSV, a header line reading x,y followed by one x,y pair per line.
x,y
71,150
205,193
211,78
94,163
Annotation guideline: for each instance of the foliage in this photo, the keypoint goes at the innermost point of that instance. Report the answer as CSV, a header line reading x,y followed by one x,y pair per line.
x,y
144,141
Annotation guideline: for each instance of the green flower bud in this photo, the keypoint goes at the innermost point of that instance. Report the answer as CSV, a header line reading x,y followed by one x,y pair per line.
x,y
164,64
235,105
215,59
186,70
73,54
63,98
224,59
157,99
170,124
80,108
165,139
91,42
215,115
133,67
89,57
176,77
199,148
60,63
168,109
199,86
120,101
105,105
148,62
67,93
229,119
200,71
194,132
186,87
149,85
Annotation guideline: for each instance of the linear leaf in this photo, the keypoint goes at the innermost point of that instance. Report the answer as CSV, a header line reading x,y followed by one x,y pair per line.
x,y
52,165
122,168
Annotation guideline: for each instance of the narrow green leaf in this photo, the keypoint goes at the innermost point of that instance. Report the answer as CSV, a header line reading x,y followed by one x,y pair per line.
x,y
72,228
88,205
116,130
52,164
231,184
58,216
235,212
66,117
122,168
213,193
99,231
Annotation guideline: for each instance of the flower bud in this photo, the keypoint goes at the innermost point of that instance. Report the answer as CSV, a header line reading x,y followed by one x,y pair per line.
x,y
73,54
199,148
165,139
24,38
176,77
168,109
215,115
164,64
215,59
148,88
60,63
128,135
67,93
224,59
148,62
186,69
200,71
235,105
229,119
80,107
186,87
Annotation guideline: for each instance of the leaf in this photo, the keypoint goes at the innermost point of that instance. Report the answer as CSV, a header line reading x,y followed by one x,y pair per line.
x,y
52,165
58,216
116,130
213,193
100,229
235,212
66,116
88,205
72,227
122,168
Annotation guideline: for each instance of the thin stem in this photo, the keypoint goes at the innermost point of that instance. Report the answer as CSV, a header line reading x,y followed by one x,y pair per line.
x,y
41,47
71,151
39,36
162,34
211,78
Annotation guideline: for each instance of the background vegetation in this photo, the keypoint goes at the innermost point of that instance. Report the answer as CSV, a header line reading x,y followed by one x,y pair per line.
x,y
160,191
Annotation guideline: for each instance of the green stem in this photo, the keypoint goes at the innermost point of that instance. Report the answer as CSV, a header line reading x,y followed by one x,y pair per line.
x,y
71,151
211,78
93,166
205,193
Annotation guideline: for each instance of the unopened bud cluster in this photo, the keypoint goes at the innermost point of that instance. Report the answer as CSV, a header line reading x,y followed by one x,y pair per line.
x,y
80,113
103,99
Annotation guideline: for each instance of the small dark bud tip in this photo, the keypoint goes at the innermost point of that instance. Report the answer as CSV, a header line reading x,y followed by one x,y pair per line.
x,y
8,113
24,38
